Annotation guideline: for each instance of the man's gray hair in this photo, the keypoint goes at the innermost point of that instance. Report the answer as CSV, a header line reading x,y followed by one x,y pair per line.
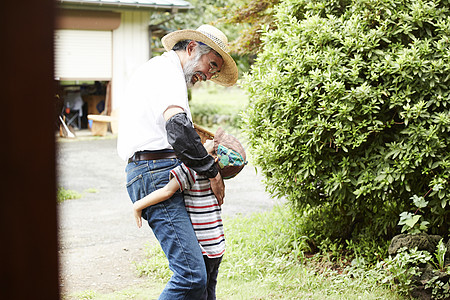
x,y
182,45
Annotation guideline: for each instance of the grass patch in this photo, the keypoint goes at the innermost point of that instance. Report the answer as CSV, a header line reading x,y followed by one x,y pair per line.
x,y
63,195
150,291
155,265
265,260
85,295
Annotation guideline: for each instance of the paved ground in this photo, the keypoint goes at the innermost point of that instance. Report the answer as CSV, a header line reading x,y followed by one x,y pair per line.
x,y
99,240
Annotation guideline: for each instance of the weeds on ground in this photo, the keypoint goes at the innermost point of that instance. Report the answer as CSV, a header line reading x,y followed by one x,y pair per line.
x,y
151,290
85,295
265,259
63,195
156,265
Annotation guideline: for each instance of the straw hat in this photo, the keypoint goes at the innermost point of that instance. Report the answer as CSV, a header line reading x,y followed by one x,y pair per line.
x,y
215,39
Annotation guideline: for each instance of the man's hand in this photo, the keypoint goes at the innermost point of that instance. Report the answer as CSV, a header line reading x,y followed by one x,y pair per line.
x,y
218,188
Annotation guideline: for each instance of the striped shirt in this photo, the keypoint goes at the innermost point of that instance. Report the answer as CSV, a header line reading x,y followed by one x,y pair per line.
x,y
203,209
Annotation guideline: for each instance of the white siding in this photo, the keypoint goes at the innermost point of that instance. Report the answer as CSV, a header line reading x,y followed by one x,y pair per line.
x,y
83,55
131,49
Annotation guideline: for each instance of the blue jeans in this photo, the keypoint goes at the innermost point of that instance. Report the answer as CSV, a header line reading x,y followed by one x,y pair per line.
x,y
172,227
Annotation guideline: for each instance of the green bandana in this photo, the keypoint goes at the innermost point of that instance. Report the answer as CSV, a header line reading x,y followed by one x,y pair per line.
x,y
229,158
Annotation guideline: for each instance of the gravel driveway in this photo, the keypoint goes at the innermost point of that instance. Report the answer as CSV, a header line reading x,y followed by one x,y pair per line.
x,y
99,240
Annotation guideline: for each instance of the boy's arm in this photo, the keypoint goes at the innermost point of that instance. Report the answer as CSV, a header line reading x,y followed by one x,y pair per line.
x,y
153,198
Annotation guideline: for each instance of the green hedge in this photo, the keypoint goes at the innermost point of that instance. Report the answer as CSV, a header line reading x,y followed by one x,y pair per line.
x,y
349,112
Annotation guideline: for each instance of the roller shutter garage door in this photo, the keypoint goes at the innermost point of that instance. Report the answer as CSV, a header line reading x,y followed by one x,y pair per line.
x,y
83,54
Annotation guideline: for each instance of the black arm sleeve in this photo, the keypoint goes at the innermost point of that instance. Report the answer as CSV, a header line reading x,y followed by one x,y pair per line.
x,y
188,146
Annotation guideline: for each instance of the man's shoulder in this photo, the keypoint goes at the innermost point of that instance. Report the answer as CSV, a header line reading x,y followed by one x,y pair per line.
x,y
166,58
163,67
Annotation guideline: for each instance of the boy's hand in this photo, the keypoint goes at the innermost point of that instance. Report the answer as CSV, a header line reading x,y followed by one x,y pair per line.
x,y
137,217
218,188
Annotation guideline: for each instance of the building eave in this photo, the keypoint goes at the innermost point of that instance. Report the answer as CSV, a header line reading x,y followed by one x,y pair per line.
x,y
111,4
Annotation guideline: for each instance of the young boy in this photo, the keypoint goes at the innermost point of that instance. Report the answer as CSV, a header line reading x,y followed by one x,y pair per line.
x,y
201,204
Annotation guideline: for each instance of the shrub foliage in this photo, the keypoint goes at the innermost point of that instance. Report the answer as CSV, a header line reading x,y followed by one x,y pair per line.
x,y
349,112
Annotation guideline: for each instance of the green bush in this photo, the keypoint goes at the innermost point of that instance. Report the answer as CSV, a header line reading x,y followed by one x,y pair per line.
x,y
349,113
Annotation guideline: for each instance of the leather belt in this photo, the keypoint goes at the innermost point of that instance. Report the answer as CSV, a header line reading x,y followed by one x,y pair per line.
x,y
138,156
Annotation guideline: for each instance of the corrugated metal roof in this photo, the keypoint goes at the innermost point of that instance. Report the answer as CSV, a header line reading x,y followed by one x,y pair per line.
x,y
180,4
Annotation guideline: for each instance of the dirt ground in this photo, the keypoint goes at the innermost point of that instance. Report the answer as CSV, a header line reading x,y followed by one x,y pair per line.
x,y
99,241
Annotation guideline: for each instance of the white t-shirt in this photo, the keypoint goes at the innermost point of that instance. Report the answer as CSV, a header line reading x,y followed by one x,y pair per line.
x,y
156,85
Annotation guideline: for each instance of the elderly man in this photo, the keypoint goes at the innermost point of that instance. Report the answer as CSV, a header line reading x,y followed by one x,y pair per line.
x,y
156,132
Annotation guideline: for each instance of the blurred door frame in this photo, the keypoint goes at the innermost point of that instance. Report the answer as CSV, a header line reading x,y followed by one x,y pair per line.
x,y
28,208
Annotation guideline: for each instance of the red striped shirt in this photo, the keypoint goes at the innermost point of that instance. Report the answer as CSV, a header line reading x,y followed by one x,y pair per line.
x,y
203,209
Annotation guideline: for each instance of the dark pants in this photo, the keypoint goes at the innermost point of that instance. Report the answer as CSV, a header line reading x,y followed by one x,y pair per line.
x,y
212,269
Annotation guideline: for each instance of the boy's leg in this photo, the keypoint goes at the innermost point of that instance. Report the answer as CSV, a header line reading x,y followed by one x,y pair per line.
x,y
172,227
212,270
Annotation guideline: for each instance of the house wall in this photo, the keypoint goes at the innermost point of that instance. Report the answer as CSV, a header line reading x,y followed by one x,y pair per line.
x,y
87,19
130,41
130,49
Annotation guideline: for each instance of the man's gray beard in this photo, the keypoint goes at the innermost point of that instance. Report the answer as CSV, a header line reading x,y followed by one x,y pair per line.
x,y
189,70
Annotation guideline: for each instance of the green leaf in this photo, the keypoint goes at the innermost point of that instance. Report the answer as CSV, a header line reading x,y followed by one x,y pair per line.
x,y
419,202
407,187
411,222
437,187
380,177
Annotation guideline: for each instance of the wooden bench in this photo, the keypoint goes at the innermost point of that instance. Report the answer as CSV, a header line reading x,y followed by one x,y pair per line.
x,y
100,124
